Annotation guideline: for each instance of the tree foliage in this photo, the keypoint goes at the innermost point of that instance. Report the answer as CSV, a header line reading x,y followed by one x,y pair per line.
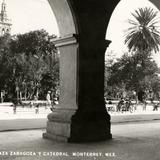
x,y
136,70
129,71
143,35
24,59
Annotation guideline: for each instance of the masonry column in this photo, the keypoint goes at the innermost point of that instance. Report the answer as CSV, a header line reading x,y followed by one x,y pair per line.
x,y
91,122
58,125
81,115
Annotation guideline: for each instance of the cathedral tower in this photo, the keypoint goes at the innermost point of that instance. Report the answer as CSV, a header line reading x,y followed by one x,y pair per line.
x,y
5,23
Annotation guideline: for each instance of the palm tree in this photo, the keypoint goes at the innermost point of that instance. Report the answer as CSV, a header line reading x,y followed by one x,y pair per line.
x,y
143,36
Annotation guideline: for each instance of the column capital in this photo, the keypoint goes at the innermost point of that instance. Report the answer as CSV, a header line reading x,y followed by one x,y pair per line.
x,y
66,40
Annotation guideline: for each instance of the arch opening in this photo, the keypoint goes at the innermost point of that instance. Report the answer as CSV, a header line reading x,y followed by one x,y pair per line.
x,y
41,23
118,61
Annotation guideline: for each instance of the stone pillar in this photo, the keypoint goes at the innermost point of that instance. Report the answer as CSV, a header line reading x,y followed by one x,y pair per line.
x,y
81,115
58,125
91,122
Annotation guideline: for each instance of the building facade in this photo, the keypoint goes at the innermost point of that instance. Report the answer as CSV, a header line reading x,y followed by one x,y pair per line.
x,y
5,23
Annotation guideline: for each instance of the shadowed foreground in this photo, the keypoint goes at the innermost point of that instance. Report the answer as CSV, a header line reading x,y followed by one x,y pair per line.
x,y
131,141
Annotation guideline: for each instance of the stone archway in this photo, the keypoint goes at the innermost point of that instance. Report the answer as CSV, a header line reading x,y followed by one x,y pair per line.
x,y
58,125
64,15
81,115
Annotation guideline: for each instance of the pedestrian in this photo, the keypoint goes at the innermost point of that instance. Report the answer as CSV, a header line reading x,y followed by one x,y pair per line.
x,y
120,105
128,105
155,107
48,98
37,109
144,105
14,109
15,103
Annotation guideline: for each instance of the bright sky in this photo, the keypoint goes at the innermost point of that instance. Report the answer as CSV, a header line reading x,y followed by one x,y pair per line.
x,y
28,15
119,23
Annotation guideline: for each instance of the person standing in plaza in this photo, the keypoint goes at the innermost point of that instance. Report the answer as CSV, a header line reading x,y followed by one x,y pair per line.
x,y
14,108
48,98
36,104
15,103
37,108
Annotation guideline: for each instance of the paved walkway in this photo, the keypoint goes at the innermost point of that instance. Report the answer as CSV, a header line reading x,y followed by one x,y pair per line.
x,y
131,141
27,119
22,113
140,141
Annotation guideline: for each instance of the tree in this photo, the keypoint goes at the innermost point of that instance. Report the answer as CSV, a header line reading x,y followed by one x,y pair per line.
x,y
127,74
5,60
135,71
24,59
143,35
35,55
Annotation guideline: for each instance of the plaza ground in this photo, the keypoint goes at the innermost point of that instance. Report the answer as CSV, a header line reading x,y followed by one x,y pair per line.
x,y
131,141
135,137
25,118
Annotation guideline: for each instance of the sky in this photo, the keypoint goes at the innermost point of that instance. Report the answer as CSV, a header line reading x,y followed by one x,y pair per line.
x,y
28,15
119,24
119,21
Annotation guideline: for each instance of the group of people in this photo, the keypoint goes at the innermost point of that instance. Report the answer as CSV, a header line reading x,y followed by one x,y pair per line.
x,y
121,106
50,103
125,105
